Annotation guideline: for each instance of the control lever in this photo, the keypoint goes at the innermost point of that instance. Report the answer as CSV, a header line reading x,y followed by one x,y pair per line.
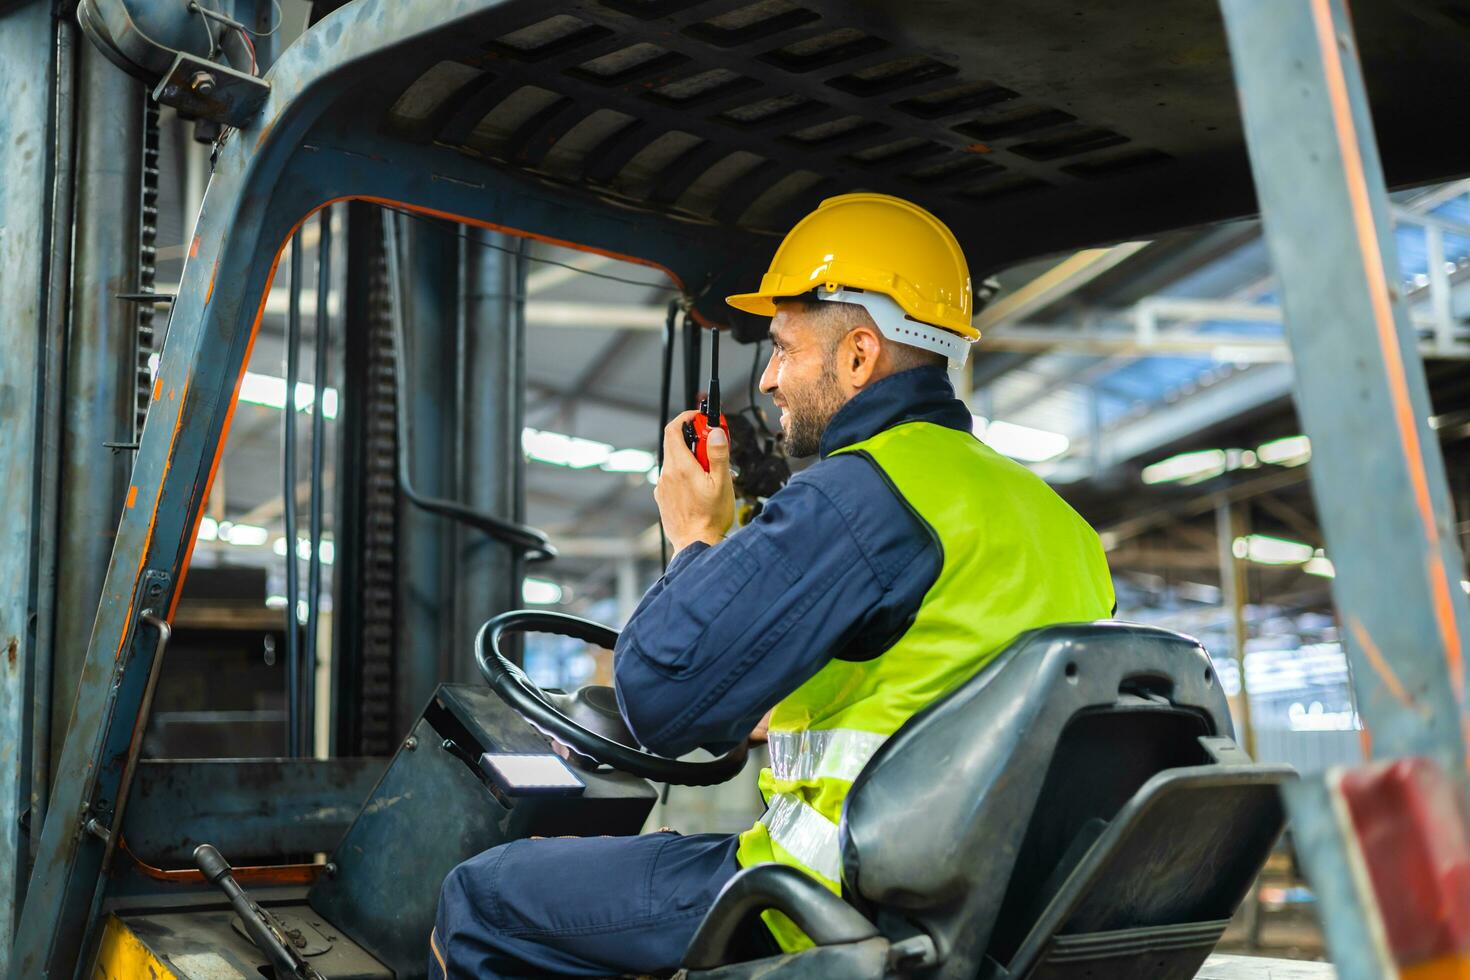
x,y
262,927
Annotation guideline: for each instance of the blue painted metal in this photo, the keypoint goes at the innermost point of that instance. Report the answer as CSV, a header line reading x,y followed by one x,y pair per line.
x,y
1347,910
309,146
1360,385
433,808
248,808
1377,474
35,196
181,51
100,353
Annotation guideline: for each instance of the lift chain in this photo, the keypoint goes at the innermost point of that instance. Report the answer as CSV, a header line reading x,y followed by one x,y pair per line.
x,y
147,265
375,699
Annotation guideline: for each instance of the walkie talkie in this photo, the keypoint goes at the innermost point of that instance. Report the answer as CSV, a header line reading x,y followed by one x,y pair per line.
x,y
696,431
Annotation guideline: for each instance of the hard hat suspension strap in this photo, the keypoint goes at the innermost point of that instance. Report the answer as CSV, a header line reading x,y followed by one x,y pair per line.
x,y
896,325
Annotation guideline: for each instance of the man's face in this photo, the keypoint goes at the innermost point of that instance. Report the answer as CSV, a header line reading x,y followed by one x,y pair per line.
x,y
802,377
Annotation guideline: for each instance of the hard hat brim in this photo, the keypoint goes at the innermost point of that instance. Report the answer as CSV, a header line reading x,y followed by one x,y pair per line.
x,y
761,304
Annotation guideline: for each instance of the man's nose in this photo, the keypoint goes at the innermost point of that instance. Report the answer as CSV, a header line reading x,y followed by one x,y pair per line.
x,y
768,376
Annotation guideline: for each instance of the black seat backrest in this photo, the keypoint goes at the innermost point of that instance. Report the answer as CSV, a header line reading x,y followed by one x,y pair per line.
x,y
1155,890
1104,756
971,823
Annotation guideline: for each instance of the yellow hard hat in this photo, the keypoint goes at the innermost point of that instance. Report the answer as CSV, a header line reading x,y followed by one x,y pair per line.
x,y
856,245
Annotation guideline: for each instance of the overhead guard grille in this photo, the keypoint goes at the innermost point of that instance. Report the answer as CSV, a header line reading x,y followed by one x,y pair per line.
x,y
745,113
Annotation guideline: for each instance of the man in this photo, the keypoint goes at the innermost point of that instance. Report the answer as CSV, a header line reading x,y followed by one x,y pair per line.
x,y
877,580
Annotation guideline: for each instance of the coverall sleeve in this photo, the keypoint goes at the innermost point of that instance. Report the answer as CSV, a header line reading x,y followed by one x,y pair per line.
x,y
731,629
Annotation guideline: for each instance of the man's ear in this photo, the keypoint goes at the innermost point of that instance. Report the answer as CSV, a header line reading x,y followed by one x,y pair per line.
x,y
861,348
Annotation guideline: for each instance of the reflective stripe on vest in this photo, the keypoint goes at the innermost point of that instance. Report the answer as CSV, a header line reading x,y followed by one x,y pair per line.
x,y
832,753
803,833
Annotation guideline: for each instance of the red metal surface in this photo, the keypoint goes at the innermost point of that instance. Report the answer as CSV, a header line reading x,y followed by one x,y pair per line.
x,y
1412,832
276,874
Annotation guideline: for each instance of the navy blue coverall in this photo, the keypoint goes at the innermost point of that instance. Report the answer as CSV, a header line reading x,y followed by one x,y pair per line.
x,y
836,565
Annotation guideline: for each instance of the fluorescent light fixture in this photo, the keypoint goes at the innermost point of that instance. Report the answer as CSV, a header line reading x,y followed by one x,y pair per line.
x,y
1266,550
629,461
1291,451
208,529
303,609
1320,565
1241,355
653,475
1187,468
1020,442
1303,718
559,449
270,391
303,549
541,592
248,535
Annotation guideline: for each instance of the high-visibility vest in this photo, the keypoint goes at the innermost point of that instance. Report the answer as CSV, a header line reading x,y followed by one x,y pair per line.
x,y
1015,557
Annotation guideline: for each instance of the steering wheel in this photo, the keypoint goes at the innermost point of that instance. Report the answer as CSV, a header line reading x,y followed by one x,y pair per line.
x,y
587,722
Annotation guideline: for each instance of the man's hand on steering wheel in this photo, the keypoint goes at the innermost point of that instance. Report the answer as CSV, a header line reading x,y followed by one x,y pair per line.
x,y
761,733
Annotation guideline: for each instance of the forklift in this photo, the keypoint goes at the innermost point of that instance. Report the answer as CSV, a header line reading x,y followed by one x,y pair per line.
x,y
1084,807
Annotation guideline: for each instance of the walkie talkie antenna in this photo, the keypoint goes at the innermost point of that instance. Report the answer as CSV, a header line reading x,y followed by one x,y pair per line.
x,y
712,406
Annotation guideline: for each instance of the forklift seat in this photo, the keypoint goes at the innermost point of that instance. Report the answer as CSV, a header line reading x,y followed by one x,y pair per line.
x,y
1078,808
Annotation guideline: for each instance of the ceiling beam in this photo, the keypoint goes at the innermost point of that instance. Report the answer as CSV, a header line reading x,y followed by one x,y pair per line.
x,y
1054,284
1132,527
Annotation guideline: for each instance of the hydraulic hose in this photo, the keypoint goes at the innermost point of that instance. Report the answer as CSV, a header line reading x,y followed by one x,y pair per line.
x,y
666,385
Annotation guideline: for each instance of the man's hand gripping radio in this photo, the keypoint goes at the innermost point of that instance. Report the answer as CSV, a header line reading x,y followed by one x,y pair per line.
x,y
696,432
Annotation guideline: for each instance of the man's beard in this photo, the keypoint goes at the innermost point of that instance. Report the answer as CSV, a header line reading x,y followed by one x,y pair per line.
x,y
808,410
